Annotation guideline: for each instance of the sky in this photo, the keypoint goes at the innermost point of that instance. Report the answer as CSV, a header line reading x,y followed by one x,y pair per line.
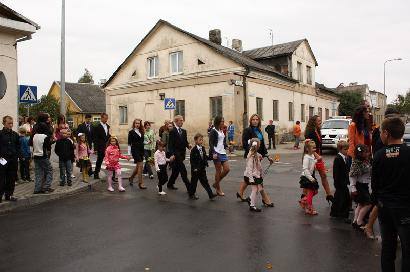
x,y
350,39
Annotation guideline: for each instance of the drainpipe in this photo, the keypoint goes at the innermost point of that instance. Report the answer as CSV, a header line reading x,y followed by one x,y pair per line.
x,y
245,99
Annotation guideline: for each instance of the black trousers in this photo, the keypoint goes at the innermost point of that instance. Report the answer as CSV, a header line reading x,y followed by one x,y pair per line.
x,y
178,167
162,176
341,204
271,139
394,222
24,165
100,158
8,177
203,179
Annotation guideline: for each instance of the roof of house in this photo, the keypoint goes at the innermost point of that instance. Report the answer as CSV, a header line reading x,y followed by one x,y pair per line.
x,y
322,87
225,51
277,50
88,97
9,13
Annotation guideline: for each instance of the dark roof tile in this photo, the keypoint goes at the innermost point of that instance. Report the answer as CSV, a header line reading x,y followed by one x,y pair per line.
x,y
88,97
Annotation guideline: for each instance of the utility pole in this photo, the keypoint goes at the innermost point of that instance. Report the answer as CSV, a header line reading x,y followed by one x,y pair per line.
x,y
384,73
62,79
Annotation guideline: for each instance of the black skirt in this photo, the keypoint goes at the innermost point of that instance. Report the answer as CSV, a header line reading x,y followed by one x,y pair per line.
x,y
137,158
363,194
305,183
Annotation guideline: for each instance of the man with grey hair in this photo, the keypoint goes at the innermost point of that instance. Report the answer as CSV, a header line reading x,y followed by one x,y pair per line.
x,y
178,143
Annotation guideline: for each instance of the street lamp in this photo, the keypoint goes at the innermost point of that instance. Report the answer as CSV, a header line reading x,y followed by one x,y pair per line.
x,y
62,79
384,73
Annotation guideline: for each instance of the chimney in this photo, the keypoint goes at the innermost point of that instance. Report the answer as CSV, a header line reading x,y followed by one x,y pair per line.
x,y
237,45
215,36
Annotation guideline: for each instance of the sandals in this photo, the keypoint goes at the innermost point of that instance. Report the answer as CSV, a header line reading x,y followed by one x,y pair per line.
x,y
311,211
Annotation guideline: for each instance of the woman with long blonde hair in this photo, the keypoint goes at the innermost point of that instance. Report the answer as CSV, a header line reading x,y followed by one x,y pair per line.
x,y
136,150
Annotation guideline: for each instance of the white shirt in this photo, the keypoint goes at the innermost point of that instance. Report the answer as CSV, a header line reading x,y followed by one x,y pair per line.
x,y
220,147
105,128
200,151
137,131
160,159
309,163
343,156
179,129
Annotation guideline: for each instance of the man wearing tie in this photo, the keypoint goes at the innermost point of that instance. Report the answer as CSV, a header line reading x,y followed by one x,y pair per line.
x,y
178,143
100,135
86,129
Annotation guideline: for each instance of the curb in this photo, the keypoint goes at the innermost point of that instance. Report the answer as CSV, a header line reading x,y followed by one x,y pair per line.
x,y
34,200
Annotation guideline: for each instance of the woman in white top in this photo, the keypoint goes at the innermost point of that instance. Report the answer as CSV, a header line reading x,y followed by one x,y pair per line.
x,y
307,179
217,149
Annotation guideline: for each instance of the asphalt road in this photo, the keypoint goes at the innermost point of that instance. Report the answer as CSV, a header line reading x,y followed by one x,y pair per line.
x,y
141,231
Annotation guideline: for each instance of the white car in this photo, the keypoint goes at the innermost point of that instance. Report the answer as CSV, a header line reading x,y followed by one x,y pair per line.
x,y
334,130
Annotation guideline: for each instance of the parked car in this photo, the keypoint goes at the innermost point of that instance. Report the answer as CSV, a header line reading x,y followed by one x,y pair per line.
x,y
406,136
333,130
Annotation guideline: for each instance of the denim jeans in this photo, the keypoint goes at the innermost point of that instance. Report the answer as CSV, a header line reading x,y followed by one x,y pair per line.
x,y
66,169
43,172
394,222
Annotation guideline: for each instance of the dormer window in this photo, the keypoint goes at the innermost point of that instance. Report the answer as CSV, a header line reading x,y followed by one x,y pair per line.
x,y
176,62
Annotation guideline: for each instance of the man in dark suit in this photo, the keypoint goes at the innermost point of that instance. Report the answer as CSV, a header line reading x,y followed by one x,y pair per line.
x,y
100,135
178,143
270,130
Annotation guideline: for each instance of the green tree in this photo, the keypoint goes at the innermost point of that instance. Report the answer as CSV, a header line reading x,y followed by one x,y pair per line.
x,y
46,104
86,78
349,101
402,103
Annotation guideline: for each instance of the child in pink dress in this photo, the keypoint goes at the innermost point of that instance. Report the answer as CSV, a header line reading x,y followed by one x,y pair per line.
x,y
112,162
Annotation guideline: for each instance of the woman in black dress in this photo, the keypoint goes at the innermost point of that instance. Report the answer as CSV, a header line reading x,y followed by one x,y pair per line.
x,y
254,131
136,149
312,132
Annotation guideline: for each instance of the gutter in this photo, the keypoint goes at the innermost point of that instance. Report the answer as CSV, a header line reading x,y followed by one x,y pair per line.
x,y
26,38
245,116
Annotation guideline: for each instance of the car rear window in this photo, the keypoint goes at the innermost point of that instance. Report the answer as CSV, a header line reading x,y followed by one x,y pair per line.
x,y
407,131
336,124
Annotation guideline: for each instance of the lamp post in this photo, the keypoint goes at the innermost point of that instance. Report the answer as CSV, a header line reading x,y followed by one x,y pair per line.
x,y
62,75
384,73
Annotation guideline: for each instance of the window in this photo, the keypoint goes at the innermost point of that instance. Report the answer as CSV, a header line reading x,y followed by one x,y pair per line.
x,y
291,114
319,112
302,113
327,114
152,67
96,119
176,62
216,106
299,67
309,74
259,107
123,115
3,85
311,111
275,116
180,108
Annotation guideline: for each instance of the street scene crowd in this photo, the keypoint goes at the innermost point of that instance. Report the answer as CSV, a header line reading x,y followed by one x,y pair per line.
x,y
369,171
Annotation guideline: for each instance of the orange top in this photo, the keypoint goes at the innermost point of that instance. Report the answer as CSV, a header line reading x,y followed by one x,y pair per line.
x,y
297,130
355,138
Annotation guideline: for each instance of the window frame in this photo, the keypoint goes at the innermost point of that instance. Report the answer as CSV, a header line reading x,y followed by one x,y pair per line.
x,y
156,67
303,112
327,113
218,112
320,112
180,108
179,65
259,107
123,115
299,70
309,75
291,111
275,110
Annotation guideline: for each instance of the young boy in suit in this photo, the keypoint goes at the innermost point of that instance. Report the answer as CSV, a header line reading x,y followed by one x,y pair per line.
x,y
341,203
199,162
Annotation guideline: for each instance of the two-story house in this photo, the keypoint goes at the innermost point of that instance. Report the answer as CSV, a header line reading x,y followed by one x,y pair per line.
x,y
208,79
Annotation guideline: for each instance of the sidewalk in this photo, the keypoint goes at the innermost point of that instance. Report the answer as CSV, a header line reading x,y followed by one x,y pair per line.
x,y
24,191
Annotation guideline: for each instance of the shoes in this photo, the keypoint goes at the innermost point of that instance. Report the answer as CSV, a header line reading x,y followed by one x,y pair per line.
x,y
194,197
39,192
162,193
311,211
151,177
11,198
110,189
96,176
271,205
145,175
62,184
212,197
72,176
121,189
69,183
141,186
254,209
49,190
357,226
241,198
172,187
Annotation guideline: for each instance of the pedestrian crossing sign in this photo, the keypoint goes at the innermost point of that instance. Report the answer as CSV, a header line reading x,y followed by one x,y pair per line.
x,y
170,103
27,94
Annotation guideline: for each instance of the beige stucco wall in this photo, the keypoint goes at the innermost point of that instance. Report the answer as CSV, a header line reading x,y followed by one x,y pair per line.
x,y
8,65
302,54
